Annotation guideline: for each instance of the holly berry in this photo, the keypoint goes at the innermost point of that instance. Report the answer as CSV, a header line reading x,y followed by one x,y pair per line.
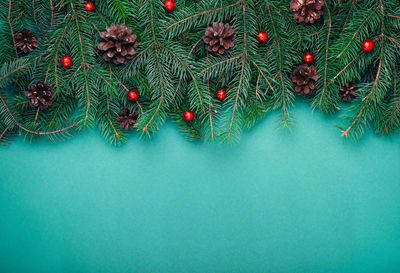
x,y
88,6
132,95
188,115
367,45
169,5
66,61
262,36
308,57
220,94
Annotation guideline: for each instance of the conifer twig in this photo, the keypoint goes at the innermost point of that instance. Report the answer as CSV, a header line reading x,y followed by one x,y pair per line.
x,y
279,66
30,131
244,56
83,65
375,82
11,28
204,12
20,67
4,132
36,22
326,55
357,31
209,110
155,46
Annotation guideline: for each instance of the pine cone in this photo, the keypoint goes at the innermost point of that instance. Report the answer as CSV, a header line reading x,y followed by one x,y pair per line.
x,y
219,37
40,95
303,78
348,92
126,119
118,44
306,11
26,41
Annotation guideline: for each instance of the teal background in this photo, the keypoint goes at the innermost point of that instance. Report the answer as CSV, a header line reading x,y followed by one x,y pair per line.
x,y
277,202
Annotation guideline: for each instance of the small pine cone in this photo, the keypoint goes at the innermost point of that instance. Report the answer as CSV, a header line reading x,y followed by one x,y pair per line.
x,y
306,11
40,95
348,92
126,119
219,37
303,78
118,44
26,41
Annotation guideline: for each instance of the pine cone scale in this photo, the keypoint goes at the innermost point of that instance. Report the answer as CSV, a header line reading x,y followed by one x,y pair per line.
x,y
106,45
111,53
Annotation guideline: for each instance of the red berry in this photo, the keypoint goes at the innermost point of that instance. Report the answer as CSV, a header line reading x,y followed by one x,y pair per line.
x,y
220,94
88,6
188,115
262,36
169,5
308,57
132,95
66,61
367,45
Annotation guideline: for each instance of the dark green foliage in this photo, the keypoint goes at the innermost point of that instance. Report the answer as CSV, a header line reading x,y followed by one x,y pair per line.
x,y
173,72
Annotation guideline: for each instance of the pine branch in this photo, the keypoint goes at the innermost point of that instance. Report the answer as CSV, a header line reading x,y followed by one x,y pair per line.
x,y
173,71
282,84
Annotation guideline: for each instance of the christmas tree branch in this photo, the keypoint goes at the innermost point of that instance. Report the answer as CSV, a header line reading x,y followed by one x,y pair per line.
x,y
21,67
35,19
11,28
256,111
358,30
116,134
391,15
84,65
210,115
261,73
347,17
284,110
244,58
56,56
30,131
344,68
161,81
3,133
203,13
326,60
221,63
188,70
135,58
369,97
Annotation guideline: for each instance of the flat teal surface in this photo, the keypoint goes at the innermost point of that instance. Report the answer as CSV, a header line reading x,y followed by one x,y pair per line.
x,y
277,202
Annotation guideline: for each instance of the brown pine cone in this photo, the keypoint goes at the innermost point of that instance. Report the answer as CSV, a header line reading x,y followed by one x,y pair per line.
x,y
348,92
306,11
26,41
40,95
118,44
126,119
303,78
219,37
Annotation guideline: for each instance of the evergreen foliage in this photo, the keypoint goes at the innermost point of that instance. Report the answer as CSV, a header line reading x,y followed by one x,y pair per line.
x,y
173,72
